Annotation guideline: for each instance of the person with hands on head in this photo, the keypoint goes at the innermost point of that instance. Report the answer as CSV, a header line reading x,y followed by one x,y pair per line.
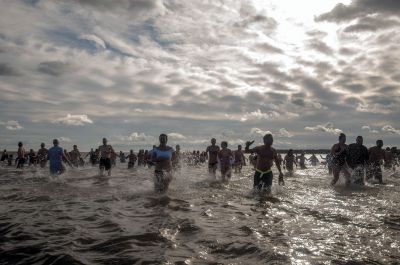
x,y
266,155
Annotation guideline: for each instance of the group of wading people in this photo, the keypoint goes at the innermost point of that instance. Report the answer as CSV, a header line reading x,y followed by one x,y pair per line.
x,y
351,160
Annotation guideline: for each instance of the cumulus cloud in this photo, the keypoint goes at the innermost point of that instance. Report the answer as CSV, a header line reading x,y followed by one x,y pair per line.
x,y
320,46
74,120
259,131
371,24
377,108
368,129
176,136
12,125
326,128
360,8
64,139
227,133
157,69
139,137
390,129
142,9
259,115
284,133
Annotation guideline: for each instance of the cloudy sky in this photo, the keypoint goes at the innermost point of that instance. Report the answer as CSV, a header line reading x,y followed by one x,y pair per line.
x,y
80,70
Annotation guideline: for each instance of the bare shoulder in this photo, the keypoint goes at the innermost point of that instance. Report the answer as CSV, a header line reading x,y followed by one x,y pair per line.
x,y
258,148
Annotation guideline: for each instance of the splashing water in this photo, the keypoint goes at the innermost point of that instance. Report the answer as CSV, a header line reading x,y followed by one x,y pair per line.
x,y
86,219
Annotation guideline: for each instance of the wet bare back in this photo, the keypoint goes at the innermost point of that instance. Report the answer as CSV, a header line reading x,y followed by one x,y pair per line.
x,y
376,155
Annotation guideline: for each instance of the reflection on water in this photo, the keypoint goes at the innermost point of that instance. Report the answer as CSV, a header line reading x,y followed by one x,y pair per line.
x,y
86,219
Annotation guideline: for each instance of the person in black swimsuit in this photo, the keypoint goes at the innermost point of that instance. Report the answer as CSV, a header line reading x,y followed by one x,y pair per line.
x,y
340,152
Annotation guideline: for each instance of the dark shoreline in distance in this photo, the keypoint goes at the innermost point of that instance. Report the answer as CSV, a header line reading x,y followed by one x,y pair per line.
x,y
281,151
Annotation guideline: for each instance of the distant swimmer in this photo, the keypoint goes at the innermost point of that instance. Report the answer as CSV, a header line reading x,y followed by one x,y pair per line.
x,y
148,157
92,156
288,162
31,157
225,157
10,160
20,155
75,156
113,158
56,157
376,158
4,156
395,157
314,160
266,155
302,160
203,157
389,159
42,155
106,152
162,159
357,159
66,156
253,160
122,157
212,152
240,160
328,162
176,158
339,153
131,159
141,157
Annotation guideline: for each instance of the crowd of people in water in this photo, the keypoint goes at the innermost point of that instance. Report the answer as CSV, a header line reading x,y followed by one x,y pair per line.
x,y
355,161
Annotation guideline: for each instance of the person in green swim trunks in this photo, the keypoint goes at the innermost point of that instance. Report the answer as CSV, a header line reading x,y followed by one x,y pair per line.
x,y
266,155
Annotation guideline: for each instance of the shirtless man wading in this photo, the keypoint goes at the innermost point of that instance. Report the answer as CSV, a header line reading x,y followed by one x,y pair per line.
x,y
266,155
105,151
212,151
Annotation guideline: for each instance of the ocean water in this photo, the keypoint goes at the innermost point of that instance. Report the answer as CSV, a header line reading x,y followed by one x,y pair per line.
x,y
82,218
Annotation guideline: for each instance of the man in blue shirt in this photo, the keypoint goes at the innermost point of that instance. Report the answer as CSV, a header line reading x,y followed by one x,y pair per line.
x,y
55,155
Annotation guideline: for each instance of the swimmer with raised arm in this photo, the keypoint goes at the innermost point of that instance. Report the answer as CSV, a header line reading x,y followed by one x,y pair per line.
x,y
266,155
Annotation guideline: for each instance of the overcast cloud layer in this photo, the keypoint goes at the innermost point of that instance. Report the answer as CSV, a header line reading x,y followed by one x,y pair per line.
x,y
80,70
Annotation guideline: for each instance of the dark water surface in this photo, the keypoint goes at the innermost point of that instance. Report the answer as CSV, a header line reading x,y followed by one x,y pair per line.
x,y
86,219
